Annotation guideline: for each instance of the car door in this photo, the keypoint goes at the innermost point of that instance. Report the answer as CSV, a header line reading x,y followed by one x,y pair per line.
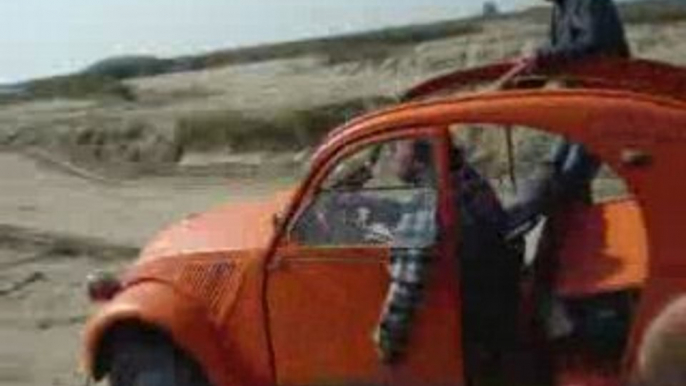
x,y
327,291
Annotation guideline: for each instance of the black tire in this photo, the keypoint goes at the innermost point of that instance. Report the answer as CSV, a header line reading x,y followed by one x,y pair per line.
x,y
146,357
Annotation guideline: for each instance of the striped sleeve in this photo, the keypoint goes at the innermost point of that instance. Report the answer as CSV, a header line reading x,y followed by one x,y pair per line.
x,y
410,258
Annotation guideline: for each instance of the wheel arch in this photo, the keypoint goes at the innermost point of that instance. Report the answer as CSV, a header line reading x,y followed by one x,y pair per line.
x,y
155,306
102,356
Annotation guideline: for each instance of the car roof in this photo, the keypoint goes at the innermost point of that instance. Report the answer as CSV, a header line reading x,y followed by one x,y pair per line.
x,y
636,77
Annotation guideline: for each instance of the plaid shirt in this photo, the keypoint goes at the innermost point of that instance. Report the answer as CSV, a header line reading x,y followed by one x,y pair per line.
x,y
412,249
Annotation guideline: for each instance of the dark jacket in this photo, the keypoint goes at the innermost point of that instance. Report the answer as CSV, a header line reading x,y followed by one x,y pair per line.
x,y
581,28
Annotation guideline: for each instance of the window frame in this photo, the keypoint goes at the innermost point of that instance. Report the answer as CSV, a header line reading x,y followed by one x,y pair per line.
x,y
319,174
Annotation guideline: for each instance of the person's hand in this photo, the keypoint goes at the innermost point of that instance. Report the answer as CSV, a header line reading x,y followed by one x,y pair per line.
x,y
528,63
524,65
378,233
385,354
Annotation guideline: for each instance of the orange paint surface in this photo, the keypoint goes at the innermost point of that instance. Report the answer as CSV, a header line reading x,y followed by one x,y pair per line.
x,y
605,249
232,227
325,304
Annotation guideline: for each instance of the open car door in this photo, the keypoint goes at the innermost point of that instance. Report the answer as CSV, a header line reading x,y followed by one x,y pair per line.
x,y
331,277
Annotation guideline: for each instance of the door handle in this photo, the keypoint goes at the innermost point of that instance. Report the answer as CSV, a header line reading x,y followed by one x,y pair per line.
x,y
633,157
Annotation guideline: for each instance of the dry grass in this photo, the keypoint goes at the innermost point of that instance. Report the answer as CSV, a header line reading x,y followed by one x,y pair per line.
x,y
373,45
281,130
655,12
87,86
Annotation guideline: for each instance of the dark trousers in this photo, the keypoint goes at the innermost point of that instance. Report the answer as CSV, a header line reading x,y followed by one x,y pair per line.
x,y
490,301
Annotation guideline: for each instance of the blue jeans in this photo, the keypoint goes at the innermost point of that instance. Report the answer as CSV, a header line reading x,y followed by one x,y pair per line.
x,y
569,179
575,169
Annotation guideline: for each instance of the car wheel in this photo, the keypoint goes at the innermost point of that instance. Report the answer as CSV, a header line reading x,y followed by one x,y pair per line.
x,y
146,357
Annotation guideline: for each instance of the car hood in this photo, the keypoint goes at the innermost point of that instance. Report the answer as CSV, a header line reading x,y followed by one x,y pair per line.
x,y
227,228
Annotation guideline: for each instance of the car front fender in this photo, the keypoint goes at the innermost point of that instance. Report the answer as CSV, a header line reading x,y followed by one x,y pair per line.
x,y
158,305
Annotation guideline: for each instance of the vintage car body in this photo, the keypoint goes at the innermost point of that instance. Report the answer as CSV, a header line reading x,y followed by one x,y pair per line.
x,y
254,308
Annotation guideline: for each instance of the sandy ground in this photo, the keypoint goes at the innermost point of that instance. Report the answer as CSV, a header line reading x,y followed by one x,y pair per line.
x,y
55,228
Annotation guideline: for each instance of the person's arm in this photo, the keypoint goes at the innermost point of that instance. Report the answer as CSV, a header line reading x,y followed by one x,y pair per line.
x,y
592,20
410,260
408,270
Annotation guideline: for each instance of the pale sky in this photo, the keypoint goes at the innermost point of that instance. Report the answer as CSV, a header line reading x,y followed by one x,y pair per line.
x,y
46,37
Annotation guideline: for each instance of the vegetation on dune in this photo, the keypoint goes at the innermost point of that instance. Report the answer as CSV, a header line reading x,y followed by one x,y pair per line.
x,y
125,67
283,130
373,45
81,86
654,12
143,144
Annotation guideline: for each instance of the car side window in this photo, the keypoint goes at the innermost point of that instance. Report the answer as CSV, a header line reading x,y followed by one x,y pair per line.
x,y
486,149
368,196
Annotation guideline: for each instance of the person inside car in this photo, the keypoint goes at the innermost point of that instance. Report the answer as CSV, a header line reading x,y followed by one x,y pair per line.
x,y
489,265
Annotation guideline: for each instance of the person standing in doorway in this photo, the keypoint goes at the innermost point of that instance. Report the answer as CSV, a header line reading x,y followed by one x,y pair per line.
x,y
579,30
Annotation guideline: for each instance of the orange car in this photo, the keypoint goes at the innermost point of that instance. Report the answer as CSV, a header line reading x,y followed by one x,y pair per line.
x,y
289,291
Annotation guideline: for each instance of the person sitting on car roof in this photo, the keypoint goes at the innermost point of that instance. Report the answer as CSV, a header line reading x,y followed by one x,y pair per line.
x,y
579,29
